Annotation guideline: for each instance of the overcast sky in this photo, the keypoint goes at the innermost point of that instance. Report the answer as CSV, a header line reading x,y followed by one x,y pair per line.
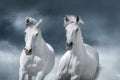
x,y
101,30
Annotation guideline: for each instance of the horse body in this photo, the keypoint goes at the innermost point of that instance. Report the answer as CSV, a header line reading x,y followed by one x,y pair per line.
x,y
39,62
80,62
84,69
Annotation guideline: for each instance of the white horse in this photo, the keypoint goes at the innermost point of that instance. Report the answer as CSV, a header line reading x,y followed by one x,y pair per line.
x,y
81,61
37,58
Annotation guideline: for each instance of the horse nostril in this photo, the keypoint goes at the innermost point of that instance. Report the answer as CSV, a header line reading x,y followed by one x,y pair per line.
x,y
71,44
30,50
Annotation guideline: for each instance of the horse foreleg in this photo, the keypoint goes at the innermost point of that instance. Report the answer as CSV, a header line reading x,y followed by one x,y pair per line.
x,y
59,76
22,75
39,76
75,77
29,77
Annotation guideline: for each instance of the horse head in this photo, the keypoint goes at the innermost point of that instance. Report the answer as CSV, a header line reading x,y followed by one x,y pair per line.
x,y
71,24
31,34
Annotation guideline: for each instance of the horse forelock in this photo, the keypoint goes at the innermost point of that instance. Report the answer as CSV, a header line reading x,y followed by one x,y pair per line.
x,y
27,29
72,26
71,19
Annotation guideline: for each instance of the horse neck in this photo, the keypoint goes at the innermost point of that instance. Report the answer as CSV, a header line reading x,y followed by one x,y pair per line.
x,y
40,41
78,47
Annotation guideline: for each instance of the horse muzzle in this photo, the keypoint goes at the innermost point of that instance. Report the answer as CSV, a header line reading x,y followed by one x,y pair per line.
x,y
69,46
28,51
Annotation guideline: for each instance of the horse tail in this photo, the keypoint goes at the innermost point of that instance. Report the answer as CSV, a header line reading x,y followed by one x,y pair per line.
x,y
98,66
97,72
97,57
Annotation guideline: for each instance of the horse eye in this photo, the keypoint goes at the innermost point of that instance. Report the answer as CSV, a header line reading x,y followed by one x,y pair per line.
x,y
37,34
76,30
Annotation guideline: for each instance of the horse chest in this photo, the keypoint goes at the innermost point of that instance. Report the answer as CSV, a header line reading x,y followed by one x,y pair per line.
x,y
35,66
74,65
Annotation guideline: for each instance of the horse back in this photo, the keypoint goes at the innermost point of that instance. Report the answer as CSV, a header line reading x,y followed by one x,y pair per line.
x,y
92,52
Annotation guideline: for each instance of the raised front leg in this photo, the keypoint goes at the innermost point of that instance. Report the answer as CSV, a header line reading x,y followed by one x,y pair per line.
x,y
39,76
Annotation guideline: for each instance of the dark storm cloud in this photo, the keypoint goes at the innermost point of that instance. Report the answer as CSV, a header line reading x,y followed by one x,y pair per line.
x,y
63,7
55,7
7,32
53,32
53,12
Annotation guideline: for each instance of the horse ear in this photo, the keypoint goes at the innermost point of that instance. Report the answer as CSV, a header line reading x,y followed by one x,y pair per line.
x,y
38,23
27,21
79,20
66,19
